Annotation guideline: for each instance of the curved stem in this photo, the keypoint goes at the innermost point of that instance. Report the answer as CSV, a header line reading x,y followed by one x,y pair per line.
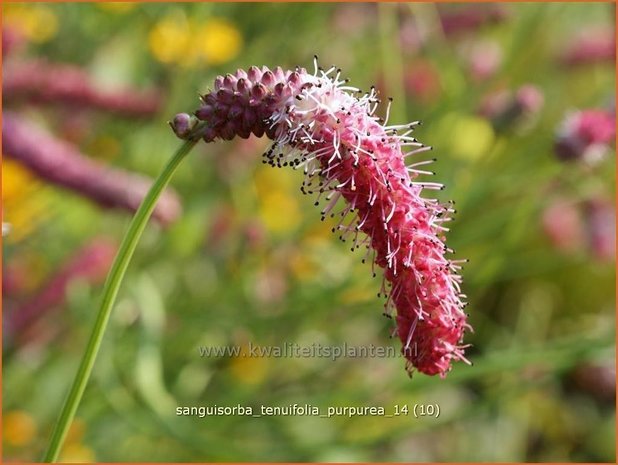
x,y
110,291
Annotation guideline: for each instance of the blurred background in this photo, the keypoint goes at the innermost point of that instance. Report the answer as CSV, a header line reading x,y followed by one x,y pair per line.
x,y
518,102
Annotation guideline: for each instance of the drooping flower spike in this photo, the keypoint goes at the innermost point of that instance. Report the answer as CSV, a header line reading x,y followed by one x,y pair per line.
x,y
320,124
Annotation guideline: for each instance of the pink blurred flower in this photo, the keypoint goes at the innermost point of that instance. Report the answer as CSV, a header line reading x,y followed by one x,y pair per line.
x,y
600,217
410,36
91,263
585,135
587,226
506,108
352,19
14,279
12,40
41,81
224,223
327,128
482,59
62,164
458,19
591,46
563,224
422,81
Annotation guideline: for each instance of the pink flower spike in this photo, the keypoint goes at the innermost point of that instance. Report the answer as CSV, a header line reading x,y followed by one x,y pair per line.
x,y
328,129
591,46
585,135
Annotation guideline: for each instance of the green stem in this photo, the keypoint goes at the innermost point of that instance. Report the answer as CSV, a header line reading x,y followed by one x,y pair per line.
x,y
110,291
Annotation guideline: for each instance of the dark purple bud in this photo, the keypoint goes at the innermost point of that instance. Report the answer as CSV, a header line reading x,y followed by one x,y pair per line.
x,y
228,131
244,133
235,112
205,112
271,132
221,109
259,91
209,99
243,86
209,134
225,96
183,124
249,118
258,130
268,79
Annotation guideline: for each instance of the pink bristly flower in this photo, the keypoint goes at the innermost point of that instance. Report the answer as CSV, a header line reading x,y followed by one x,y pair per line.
x,y
328,129
585,135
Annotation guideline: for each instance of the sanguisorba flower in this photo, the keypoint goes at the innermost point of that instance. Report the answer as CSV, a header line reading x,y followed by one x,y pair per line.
x,y
328,129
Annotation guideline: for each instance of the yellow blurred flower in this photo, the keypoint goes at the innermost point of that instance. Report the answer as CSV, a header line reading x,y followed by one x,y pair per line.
x,y
278,208
169,38
471,137
37,23
249,370
76,431
302,265
19,428
77,453
23,200
176,39
219,40
279,212
357,295
74,450
117,7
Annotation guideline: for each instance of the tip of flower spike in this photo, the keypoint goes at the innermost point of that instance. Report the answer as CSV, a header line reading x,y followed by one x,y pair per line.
x,y
183,124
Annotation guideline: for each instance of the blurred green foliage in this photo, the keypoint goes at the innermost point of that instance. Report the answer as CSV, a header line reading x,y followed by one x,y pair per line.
x,y
249,259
